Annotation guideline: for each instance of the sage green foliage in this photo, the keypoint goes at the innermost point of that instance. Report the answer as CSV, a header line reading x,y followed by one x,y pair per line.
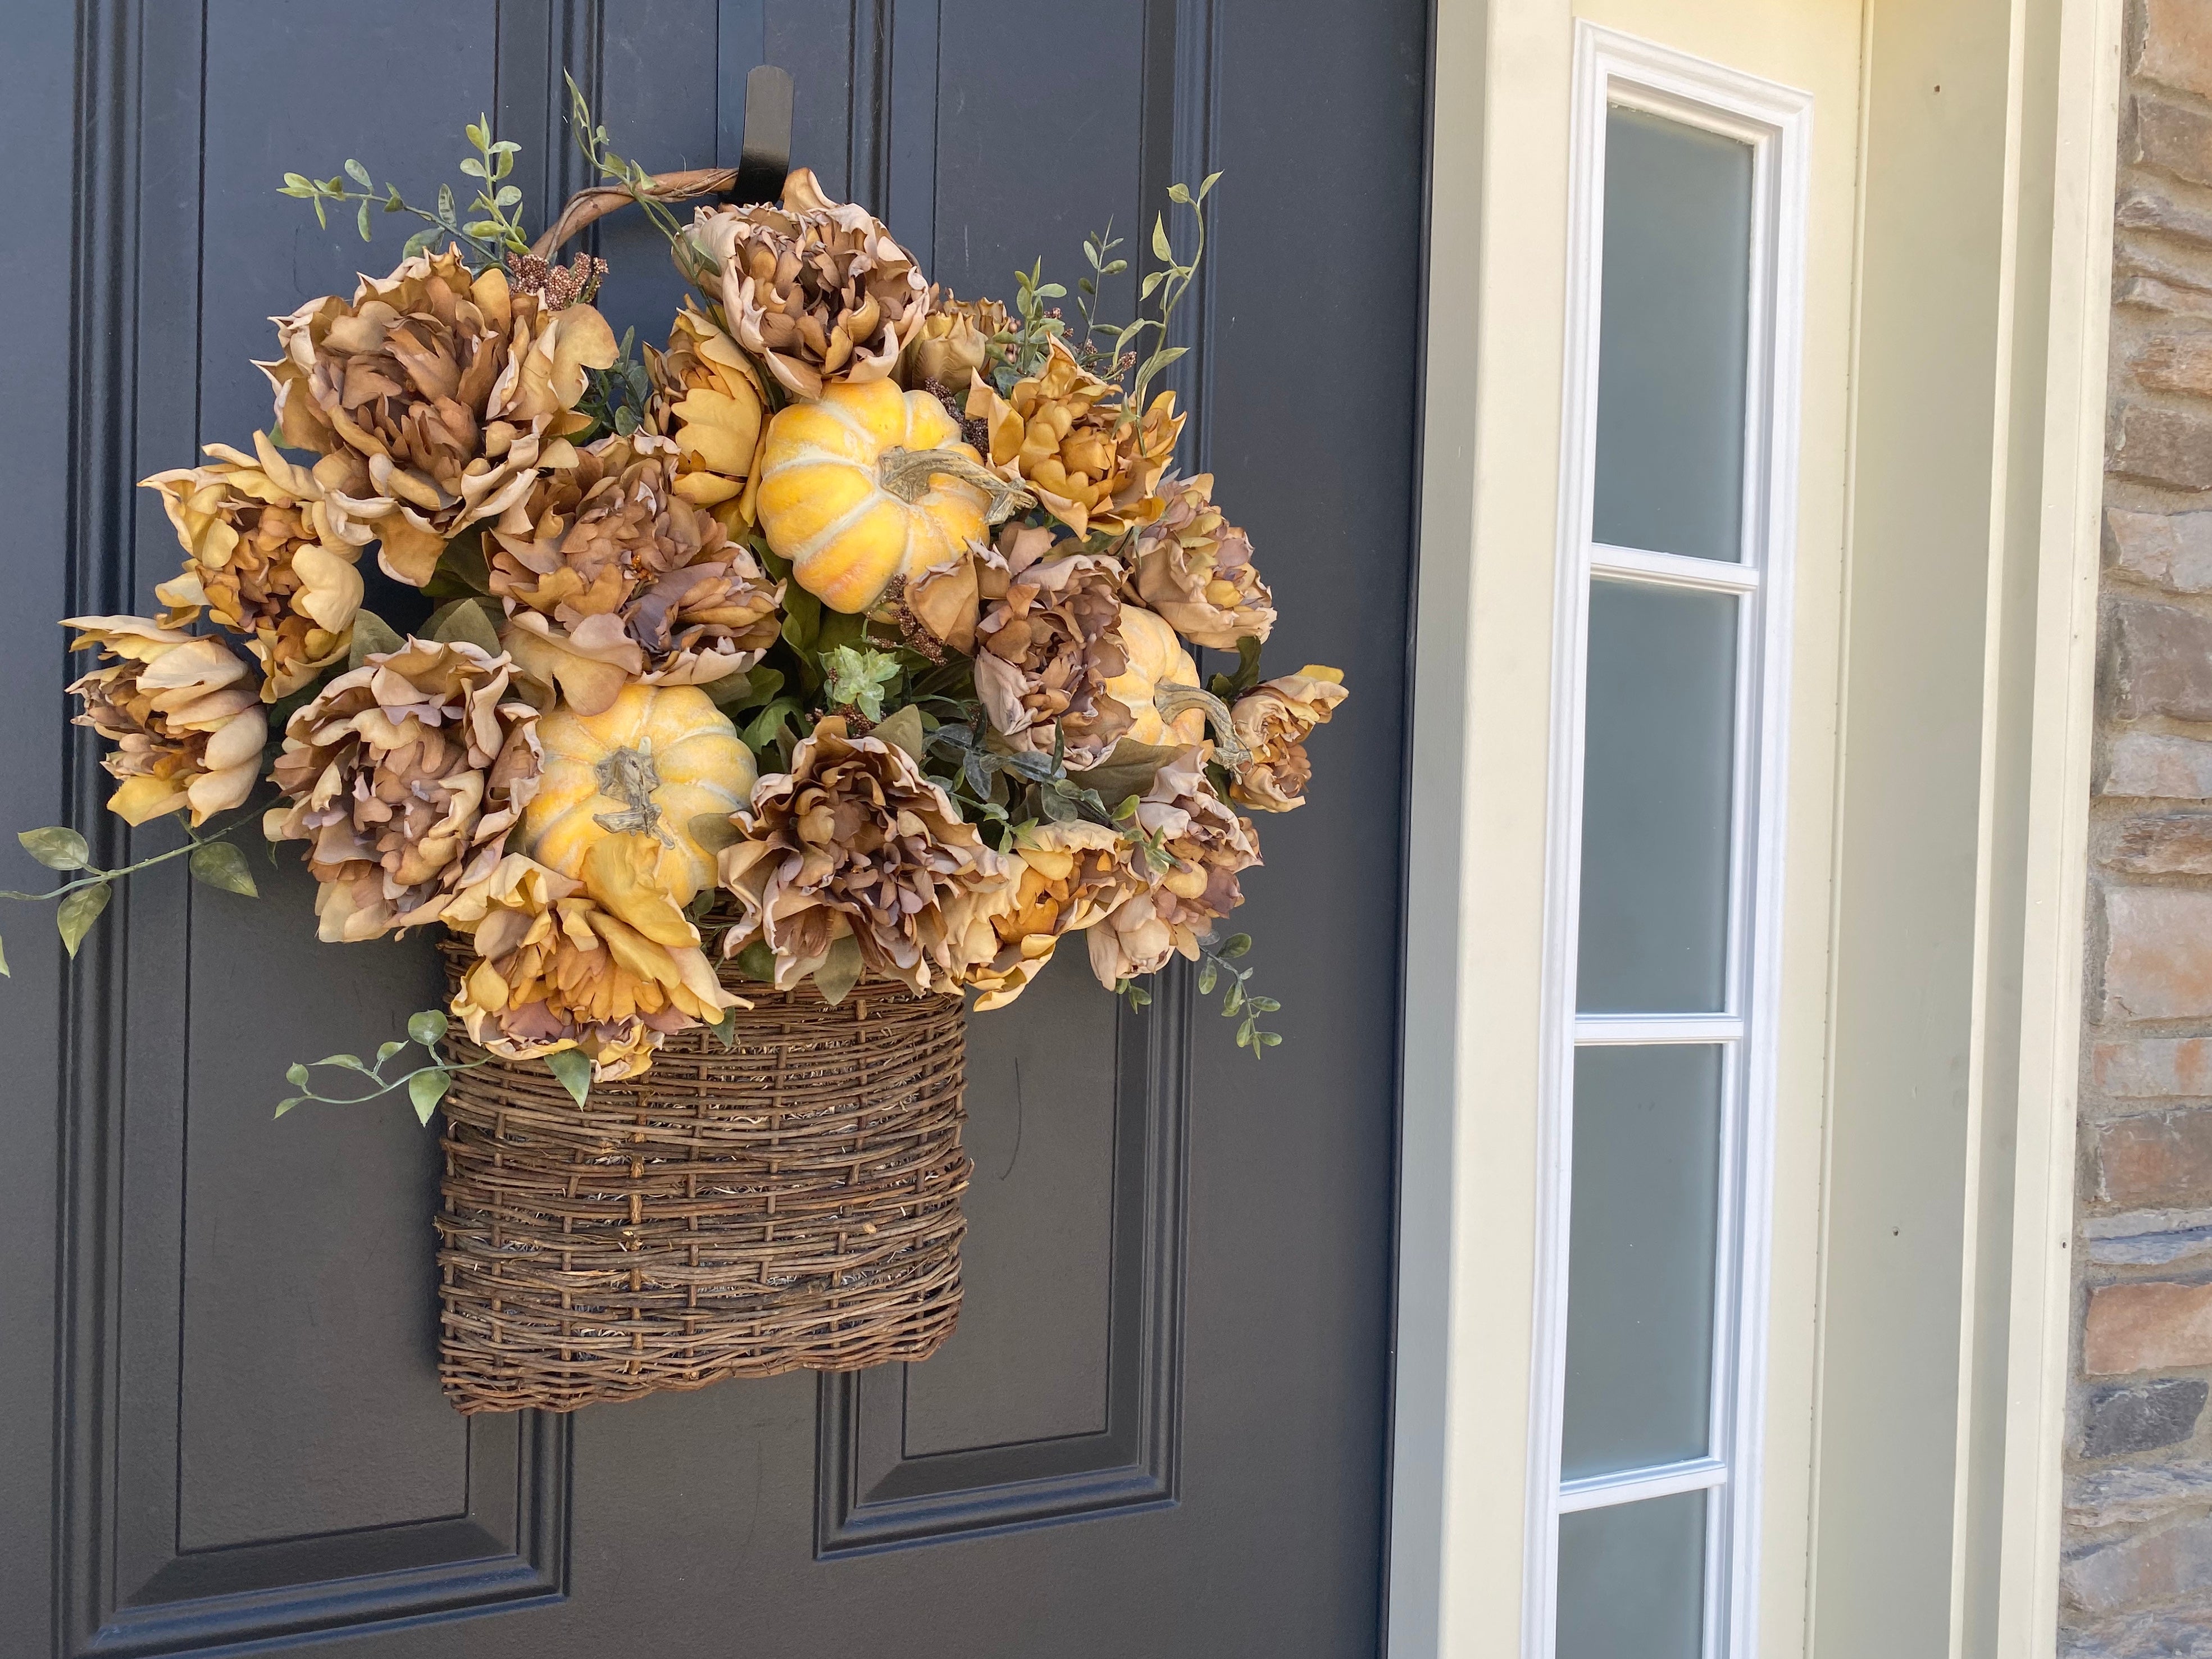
x,y
426,1085
856,678
79,904
1215,964
494,232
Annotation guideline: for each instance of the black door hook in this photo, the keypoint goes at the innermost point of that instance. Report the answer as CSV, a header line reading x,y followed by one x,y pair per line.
x,y
765,159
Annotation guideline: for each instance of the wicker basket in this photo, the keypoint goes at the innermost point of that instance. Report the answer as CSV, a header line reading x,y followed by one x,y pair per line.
x,y
793,1202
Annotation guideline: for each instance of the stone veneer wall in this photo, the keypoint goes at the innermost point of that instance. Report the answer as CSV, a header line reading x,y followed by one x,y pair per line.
x,y
2137,1576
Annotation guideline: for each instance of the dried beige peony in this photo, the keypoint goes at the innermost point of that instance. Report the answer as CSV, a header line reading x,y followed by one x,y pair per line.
x,y
1063,433
855,841
816,290
1072,876
610,577
404,776
708,399
1194,567
182,711
266,557
1273,720
1047,647
1197,846
555,969
435,397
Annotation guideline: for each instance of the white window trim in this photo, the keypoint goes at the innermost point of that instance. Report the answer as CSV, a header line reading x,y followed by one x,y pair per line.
x,y
1612,68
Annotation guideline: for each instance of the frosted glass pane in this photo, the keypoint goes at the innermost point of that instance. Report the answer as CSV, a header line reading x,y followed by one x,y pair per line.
x,y
1658,759
1640,1261
1674,336
1633,1580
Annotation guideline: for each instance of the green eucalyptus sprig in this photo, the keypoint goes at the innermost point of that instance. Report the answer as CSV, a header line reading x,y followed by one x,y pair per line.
x,y
213,860
1217,963
426,1085
615,169
491,235
1170,283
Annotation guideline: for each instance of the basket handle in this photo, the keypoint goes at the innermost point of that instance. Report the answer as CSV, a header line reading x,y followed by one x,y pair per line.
x,y
763,161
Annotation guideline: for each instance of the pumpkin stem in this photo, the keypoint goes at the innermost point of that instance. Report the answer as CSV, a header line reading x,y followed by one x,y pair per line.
x,y
1171,700
908,473
631,778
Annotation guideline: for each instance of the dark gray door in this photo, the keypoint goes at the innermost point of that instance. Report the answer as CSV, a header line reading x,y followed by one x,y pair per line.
x,y
1161,1428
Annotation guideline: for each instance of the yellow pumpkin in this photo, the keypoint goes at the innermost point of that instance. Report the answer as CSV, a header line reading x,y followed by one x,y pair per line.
x,y
661,763
846,496
1156,657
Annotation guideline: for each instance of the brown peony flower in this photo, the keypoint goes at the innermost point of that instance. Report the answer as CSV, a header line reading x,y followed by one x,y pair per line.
x,y
815,289
854,840
1194,567
555,969
181,710
1073,875
707,397
1272,720
404,776
433,398
952,345
1047,647
1203,845
264,557
1063,432
610,576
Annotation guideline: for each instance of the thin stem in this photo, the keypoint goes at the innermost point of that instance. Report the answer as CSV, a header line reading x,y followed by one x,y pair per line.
x,y
94,878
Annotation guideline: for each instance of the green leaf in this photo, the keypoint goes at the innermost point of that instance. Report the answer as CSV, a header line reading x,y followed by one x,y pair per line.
x,y
77,911
221,864
296,1075
426,1088
446,203
727,1028
712,832
57,847
1162,249
296,184
4,973
574,1067
1206,184
473,167
1159,360
427,1027
372,635
1180,194
385,1050
349,1062
464,621
1129,770
508,197
802,619
1207,974
732,691
1144,292
361,221
1232,1001
358,173
757,961
289,1102
836,977
462,573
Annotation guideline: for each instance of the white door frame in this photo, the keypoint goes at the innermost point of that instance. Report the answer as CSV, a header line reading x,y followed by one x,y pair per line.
x,y
1473,1149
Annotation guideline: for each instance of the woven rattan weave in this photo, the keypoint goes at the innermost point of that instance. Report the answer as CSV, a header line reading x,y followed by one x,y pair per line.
x,y
793,1201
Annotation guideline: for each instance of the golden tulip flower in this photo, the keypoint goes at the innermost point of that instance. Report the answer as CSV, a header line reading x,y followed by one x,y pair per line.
x,y
266,557
1063,433
707,397
1272,720
182,711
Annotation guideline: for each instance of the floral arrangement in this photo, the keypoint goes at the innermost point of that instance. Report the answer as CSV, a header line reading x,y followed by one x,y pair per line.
x,y
849,632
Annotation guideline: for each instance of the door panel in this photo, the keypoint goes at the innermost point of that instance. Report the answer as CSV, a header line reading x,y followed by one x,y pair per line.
x,y
1161,1420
